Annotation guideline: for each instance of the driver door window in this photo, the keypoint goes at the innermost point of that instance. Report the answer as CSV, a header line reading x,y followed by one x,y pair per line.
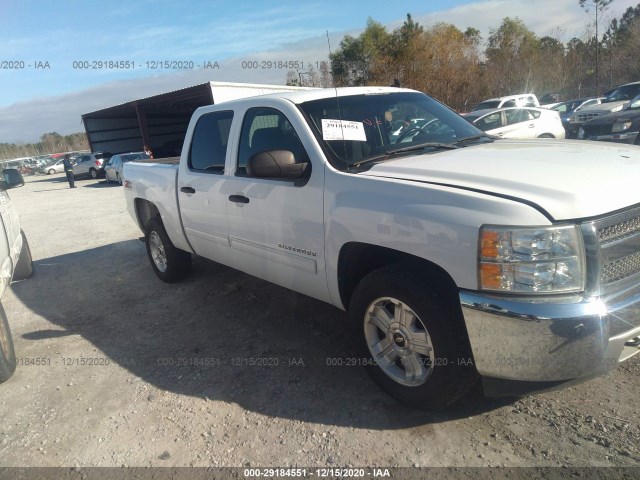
x,y
265,129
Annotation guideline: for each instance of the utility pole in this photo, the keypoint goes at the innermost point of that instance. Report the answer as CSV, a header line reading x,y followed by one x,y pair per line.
x,y
599,6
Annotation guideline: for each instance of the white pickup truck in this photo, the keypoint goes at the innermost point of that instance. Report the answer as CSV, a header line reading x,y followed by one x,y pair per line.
x,y
457,255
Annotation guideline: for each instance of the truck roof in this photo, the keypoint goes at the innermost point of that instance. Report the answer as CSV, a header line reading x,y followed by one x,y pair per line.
x,y
321,93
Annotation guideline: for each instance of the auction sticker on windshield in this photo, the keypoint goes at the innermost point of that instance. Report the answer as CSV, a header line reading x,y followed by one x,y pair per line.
x,y
342,130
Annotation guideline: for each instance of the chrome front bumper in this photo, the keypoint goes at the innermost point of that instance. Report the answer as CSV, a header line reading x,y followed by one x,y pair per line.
x,y
551,340
626,137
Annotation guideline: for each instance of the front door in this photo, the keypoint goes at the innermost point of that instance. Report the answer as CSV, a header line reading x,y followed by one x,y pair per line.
x,y
276,226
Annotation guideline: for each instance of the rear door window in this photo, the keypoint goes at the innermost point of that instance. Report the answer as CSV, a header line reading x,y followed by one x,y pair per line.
x,y
516,115
209,143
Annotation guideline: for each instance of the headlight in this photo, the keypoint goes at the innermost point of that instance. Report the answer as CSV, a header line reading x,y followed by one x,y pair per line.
x,y
531,260
621,126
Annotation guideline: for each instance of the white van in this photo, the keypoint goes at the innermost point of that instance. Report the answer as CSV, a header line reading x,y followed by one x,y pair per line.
x,y
522,100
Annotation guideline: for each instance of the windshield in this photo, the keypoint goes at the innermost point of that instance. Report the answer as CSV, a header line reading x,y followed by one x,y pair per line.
x,y
635,103
134,156
570,106
368,126
486,105
626,92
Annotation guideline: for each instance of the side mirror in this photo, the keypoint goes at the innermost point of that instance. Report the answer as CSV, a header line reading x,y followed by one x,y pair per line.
x,y
11,178
276,164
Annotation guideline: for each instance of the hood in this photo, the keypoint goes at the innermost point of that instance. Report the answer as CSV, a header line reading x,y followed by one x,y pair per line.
x,y
611,118
568,179
603,108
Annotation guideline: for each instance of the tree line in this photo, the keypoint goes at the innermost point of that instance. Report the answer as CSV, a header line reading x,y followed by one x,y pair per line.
x,y
460,68
49,143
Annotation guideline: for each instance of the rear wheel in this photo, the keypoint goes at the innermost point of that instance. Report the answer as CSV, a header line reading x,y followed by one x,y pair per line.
x,y
51,172
93,173
411,337
7,353
170,263
546,135
118,179
24,267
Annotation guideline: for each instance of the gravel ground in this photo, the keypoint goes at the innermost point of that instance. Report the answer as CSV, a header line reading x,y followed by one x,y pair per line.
x,y
117,368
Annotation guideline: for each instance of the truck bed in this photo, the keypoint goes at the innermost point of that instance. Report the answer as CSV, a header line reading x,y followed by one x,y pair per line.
x,y
162,161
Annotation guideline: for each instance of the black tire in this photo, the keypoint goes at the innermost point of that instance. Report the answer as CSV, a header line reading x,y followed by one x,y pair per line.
x,y
51,172
93,173
637,142
7,352
177,262
24,267
118,179
452,373
546,135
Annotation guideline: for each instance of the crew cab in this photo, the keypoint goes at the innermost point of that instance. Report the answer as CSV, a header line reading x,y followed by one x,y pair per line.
x,y
458,256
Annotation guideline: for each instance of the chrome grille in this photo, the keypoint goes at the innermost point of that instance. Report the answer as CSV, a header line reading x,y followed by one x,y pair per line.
x,y
620,269
619,229
618,239
584,117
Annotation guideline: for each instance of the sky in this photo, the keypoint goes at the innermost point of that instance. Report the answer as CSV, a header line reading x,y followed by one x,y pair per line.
x,y
60,59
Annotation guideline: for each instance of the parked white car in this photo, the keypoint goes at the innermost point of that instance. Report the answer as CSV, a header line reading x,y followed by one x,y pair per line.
x,y
113,168
518,123
522,100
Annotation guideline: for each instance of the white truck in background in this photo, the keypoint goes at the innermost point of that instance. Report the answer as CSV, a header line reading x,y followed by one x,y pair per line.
x,y
15,263
458,256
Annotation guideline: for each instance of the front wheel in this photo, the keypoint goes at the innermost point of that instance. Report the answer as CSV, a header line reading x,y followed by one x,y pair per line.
x,y
7,353
118,179
93,173
170,263
51,172
412,337
546,135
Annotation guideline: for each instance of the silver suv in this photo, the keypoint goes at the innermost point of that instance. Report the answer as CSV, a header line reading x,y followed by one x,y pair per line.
x,y
15,258
614,101
90,164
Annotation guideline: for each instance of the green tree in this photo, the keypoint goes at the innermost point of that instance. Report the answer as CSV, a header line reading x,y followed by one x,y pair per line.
x,y
598,6
512,54
354,62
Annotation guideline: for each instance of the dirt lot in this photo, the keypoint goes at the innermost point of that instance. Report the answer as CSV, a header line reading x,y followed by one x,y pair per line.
x,y
117,368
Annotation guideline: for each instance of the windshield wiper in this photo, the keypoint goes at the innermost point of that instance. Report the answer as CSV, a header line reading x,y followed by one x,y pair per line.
x,y
476,137
412,148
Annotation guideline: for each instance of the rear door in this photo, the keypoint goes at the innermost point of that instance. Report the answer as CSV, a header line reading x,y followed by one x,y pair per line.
x,y
203,207
516,124
110,168
83,163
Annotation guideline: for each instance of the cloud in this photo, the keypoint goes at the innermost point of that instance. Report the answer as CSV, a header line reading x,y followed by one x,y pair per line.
x,y
26,121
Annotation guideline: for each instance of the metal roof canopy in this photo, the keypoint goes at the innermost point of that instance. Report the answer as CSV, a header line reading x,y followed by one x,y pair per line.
x,y
161,121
